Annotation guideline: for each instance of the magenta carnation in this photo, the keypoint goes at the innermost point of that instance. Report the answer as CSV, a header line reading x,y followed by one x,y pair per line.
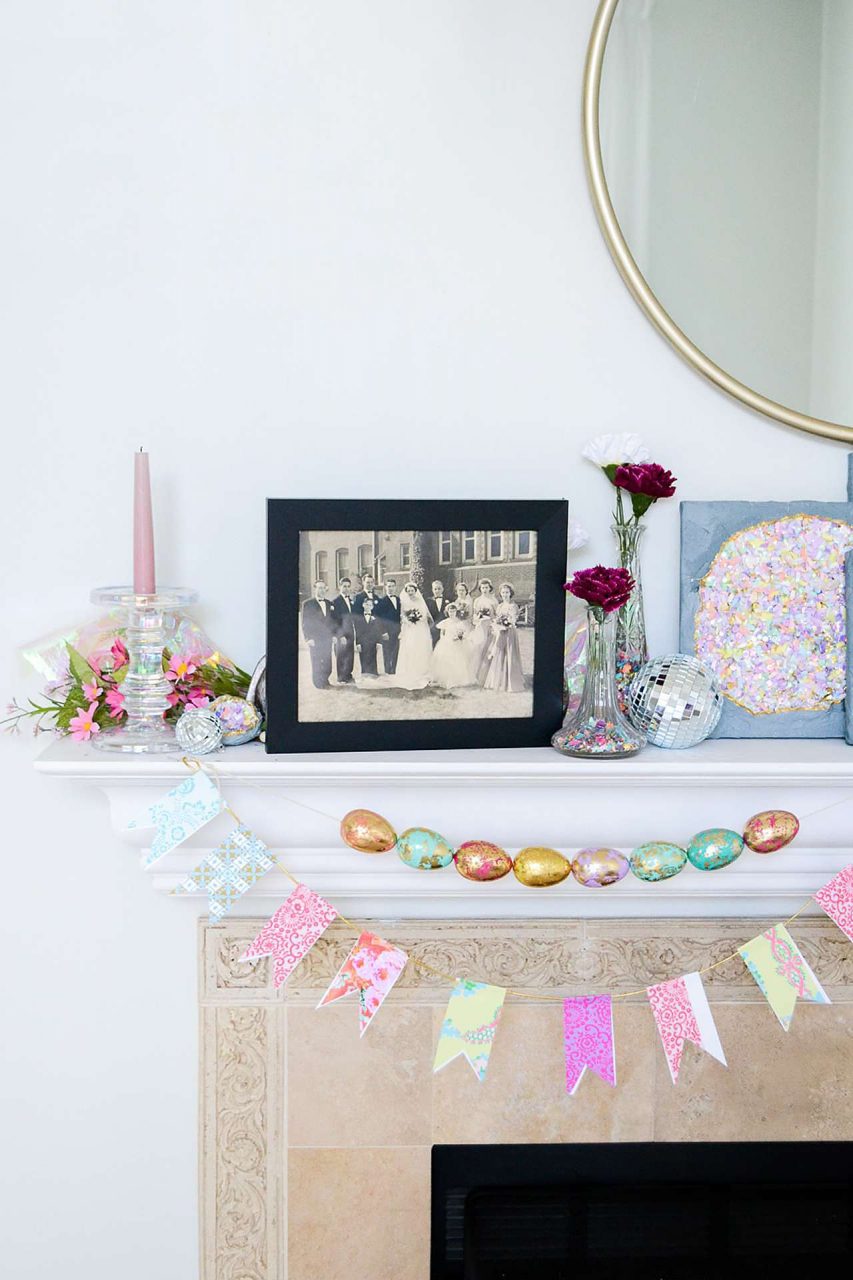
x,y
645,478
606,589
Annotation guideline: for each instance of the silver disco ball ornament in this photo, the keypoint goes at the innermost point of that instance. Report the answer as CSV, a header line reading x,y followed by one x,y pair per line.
x,y
675,701
198,731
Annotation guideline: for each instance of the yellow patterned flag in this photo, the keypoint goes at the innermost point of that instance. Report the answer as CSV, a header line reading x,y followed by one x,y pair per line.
x,y
469,1026
775,961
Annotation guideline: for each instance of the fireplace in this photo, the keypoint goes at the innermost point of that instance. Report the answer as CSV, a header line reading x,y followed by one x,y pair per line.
x,y
668,1211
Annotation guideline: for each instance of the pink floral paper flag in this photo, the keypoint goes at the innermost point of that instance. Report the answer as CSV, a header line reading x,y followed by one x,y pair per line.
x,y
588,1039
291,933
836,898
682,1013
371,969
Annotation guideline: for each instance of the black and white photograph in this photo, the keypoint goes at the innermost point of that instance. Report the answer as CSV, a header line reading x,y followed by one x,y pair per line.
x,y
401,625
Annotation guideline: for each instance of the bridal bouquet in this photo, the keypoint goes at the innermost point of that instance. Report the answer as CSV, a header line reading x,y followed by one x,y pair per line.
x,y
413,615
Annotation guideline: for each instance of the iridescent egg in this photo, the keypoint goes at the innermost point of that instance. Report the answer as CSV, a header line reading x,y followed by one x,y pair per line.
x,y
367,831
481,860
771,830
596,868
657,860
241,720
423,849
713,849
539,867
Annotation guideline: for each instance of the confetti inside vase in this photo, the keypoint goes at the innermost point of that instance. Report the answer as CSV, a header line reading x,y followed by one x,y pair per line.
x,y
598,729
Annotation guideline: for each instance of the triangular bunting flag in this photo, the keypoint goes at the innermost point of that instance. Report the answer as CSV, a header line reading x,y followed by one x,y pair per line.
x,y
470,1024
836,898
291,933
371,969
588,1039
682,1013
228,871
179,814
774,960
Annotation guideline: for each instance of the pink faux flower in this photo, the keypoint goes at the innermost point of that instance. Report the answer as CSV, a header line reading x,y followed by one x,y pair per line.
x,y
83,726
180,667
92,691
115,702
120,654
606,589
199,697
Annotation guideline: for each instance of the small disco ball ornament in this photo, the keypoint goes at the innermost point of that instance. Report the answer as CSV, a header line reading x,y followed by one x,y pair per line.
x,y
198,732
675,701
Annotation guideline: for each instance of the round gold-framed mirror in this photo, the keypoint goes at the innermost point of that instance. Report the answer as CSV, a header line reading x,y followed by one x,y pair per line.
x,y
669,308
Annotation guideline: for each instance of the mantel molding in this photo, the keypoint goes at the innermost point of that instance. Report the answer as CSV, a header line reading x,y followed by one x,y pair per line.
x,y
515,798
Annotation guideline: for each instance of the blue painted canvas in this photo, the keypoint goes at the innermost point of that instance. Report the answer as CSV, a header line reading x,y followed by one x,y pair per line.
x,y
764,604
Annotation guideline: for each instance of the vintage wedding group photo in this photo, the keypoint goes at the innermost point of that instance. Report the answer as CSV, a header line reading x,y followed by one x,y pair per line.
x,y
413,624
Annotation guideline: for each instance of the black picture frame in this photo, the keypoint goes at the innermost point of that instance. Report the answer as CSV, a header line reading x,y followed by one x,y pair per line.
x,y
287,518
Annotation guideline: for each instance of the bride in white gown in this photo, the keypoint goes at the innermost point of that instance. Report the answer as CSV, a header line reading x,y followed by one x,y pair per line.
x,y
414,661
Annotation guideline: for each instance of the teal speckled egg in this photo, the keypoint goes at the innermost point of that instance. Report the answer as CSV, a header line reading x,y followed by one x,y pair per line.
x,y
718,847
423,849
657,860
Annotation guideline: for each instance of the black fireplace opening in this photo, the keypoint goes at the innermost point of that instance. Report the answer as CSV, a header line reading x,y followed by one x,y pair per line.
x,y
644,1211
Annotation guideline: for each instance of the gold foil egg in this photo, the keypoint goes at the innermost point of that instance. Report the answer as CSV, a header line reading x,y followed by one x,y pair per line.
x,y
771,830
539,867
596,868
367,831
481,860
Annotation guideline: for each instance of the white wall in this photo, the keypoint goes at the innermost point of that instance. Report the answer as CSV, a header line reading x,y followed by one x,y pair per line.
x,y
296,248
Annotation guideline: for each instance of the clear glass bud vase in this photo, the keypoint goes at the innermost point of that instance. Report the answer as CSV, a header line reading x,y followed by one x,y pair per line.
x,y
632,649
597,727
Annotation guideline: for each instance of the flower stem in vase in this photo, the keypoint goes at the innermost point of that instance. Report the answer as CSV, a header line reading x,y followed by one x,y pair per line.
x,y
631,646
597,728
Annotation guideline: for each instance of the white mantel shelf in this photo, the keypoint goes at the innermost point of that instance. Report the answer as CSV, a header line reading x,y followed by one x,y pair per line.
x,y
515,798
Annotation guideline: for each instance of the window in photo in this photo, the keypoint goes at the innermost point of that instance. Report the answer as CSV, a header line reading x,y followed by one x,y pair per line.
x,y
469,546
445,547
496,545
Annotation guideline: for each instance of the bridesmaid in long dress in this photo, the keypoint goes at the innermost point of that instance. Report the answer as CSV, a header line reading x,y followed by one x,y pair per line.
x,y
480,639
503,672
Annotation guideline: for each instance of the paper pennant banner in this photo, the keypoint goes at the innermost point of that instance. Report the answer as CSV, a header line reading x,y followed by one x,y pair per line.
x,y
774,960
836,898
291,933
682,1013
228,871
371,969
588,1039
470,1024
179,814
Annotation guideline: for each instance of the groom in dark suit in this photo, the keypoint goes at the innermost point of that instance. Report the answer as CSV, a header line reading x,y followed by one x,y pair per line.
x,y
387,610
368,592
343,608
318,628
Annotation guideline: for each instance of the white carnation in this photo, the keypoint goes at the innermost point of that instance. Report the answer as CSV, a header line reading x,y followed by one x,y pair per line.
x,y
614,450
578,536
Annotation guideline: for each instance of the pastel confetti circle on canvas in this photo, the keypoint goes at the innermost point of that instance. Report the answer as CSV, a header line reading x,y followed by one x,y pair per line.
x,y
771,618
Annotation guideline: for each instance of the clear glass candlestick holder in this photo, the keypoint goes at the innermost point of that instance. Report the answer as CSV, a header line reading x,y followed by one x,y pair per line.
x,y
149,624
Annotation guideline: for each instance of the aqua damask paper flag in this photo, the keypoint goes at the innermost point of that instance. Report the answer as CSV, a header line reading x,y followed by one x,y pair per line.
x,y
470,1024
775,961
836,898
291,932
228,871
588,1039
179,814
371,969
682,1013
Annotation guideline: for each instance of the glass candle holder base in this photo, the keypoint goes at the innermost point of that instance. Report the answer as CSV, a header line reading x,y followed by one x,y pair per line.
x,y
150,623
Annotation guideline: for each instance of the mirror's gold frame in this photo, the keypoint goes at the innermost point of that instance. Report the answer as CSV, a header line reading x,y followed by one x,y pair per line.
x,y
630,272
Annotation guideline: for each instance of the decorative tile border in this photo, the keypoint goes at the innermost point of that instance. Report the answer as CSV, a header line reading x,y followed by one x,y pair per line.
x,y
243,1083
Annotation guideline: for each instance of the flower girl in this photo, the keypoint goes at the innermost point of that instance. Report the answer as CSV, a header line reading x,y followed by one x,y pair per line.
x,y
451,659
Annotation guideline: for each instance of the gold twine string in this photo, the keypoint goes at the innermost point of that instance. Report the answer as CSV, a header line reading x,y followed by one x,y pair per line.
x,y
196,766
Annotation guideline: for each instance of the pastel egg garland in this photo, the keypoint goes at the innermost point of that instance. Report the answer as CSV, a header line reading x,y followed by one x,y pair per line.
x,y
539,866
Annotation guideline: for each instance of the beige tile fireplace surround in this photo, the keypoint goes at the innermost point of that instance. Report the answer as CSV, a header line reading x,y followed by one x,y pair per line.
x,y
315,1146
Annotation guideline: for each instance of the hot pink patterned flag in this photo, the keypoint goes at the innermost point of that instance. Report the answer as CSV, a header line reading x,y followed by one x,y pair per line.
x,y
371,969
291,933
682,1013
588,1039
836,898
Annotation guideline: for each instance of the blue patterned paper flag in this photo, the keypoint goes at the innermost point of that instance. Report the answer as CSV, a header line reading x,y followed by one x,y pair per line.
x,y
228,871
179,814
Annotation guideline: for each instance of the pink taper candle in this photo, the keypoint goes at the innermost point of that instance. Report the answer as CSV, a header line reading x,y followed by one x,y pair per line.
x,y
143,528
